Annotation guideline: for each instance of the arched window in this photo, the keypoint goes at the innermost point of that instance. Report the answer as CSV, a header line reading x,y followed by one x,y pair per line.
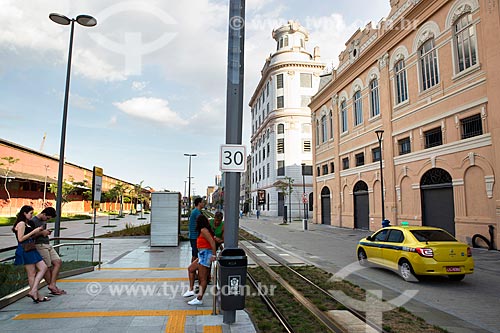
x,y
358,108
428,64
343,115
281,128
317,132
324,130
400,81
465,42
374,98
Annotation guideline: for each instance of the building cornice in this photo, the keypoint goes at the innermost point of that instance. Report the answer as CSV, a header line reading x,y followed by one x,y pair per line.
x,y
446,149
267,71
387,40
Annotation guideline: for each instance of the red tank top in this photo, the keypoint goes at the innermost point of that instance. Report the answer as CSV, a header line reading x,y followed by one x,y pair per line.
x,y
202,243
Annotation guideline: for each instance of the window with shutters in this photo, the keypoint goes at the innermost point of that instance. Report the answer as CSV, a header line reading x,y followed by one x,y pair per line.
x,y
279,81
281,128
306,144
281,146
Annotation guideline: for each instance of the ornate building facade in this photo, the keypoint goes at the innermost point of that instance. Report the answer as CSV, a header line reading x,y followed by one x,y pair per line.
x,y
428,76
281,124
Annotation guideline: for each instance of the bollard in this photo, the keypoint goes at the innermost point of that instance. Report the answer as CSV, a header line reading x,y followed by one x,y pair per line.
x,y
304,224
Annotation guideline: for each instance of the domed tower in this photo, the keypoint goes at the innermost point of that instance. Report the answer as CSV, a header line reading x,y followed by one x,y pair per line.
x,y
281,124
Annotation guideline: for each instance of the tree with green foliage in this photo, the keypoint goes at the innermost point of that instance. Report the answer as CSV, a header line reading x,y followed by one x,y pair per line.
x,y
286,187
68,189
120,190
9,161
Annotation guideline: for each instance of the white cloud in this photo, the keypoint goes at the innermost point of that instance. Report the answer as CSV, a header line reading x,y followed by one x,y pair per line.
x,y
139,85
152,109
212,117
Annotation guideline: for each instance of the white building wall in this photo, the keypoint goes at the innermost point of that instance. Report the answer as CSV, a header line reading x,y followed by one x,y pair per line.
x,y
290,61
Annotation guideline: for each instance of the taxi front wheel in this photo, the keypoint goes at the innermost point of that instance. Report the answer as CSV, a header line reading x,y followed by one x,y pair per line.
x,y
362,259
406,271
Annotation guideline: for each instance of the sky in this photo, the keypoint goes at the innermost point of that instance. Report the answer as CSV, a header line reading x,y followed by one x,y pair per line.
x,y
148,82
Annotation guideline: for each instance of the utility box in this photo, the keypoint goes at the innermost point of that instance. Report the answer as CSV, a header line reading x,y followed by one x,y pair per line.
x,y
232,278
165,218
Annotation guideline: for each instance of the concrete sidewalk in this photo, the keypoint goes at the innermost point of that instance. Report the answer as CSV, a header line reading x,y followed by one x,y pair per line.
x,y
138,289
80,228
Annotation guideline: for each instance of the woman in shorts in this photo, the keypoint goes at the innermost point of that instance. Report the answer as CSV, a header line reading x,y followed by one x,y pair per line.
x,y
206,254
31,259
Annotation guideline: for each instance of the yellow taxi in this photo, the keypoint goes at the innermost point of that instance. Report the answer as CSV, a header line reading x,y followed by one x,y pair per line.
x,y
416,251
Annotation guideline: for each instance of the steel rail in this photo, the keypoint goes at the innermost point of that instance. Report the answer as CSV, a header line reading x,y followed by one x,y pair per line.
x,y
283,262
320,315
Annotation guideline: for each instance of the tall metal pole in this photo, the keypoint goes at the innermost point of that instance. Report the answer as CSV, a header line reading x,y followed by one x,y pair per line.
x,y
189,176
60,173
380,133
234,119
45,185
304,189
290,199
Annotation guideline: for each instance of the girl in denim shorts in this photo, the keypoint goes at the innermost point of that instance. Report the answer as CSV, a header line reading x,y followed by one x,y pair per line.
x,y
206,254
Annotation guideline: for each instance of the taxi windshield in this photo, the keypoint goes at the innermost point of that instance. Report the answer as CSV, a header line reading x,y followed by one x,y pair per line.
x,y
433,235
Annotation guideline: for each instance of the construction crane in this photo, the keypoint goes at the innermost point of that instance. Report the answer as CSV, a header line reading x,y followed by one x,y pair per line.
x,y
43,142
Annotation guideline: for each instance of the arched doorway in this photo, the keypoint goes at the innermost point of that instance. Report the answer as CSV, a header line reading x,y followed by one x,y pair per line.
x,y
438,208
325,206
361,206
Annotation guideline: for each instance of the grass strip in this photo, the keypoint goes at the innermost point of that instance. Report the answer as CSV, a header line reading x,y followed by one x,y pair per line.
x,y
396,320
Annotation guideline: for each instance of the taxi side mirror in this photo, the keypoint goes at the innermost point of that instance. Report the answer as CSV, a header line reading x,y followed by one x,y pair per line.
x,y
369,238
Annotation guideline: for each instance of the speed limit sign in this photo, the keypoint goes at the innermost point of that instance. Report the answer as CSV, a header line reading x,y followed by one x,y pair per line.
x,y
233,158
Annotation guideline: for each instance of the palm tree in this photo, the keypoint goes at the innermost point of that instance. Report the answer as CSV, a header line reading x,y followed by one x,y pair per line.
x,y
120,189
10,160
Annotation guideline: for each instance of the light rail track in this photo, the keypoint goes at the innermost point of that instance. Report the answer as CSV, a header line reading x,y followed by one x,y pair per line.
x,y
320,315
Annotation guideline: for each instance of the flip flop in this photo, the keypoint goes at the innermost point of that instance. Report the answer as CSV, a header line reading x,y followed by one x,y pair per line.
x,y
45,299
57,292
35,300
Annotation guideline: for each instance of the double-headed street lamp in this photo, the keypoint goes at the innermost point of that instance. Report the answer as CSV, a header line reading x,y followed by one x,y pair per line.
x,y
86,21
380,133
189,186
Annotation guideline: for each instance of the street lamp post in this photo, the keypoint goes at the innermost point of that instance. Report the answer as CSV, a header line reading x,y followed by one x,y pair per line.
x,y
86,21
304,196
189,176
380,133
45,185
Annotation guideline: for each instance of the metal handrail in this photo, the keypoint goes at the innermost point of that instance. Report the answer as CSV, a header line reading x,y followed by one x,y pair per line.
x,y
57,246
93,244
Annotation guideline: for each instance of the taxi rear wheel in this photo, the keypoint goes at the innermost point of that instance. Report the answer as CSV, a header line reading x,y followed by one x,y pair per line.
x,y
362,259
406,270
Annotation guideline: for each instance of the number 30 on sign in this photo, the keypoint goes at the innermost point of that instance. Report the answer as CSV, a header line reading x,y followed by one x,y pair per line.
x,y
233,158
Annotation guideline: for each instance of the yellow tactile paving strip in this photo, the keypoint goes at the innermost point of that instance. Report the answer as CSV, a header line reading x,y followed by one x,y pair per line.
x,y
142,269
176,322
124,313
122,280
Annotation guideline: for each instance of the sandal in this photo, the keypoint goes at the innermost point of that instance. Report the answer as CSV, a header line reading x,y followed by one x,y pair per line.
x,y
45,299
35,300
57,291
